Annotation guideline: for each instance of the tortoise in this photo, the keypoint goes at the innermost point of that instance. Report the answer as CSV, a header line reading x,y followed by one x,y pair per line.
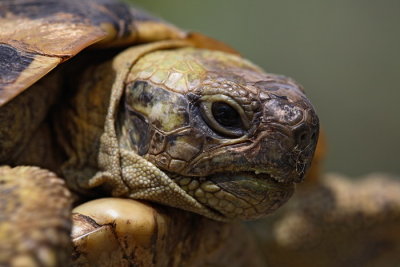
x,y
119,103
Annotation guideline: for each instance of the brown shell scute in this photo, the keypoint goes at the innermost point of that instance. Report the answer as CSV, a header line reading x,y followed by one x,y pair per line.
x,y
64,27
56,30
74,12
19,69
12,63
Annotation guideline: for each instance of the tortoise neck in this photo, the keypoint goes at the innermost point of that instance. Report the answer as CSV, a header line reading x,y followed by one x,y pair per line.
x,y
80,122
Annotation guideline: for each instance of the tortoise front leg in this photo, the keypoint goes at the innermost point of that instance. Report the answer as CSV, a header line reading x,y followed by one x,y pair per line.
x,y
127,232
35,224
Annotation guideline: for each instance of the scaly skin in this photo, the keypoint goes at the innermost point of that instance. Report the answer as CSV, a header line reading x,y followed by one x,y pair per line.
x,y
102,150
335,221
35,221
248,156
170,150
97,154
25,136
244,173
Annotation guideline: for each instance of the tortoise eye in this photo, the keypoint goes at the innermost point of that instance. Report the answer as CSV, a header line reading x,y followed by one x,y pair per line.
x,y
224,115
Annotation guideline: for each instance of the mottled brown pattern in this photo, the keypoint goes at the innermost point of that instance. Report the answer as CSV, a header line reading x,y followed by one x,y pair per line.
x,y
32,232
70,122
80,123
50,32
24,117
255,165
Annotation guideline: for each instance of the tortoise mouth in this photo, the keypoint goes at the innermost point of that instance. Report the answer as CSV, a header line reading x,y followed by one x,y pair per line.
x,y
242,195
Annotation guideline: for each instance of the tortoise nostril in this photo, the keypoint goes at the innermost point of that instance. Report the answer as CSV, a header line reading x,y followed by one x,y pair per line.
x,y
303,137
313,136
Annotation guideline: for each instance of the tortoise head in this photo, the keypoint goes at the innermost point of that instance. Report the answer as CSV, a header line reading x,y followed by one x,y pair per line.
x,y
232,136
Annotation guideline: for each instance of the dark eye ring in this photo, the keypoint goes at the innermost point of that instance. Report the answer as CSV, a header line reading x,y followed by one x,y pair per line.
x,y
224,115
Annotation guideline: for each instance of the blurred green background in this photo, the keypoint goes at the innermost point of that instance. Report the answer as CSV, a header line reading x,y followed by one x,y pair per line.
x,y
344,52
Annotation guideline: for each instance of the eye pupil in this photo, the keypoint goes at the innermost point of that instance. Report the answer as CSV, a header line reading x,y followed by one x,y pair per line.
x,y
225,115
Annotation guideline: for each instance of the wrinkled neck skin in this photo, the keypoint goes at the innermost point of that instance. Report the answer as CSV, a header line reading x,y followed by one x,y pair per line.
x,y
80,120
95,159
203,131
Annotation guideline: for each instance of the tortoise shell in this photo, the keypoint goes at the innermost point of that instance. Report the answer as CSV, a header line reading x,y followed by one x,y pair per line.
x,y
38,35
195,161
